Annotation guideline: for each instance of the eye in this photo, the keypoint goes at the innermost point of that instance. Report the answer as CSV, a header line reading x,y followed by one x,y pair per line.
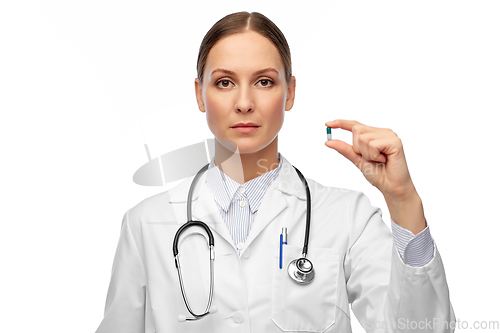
x,y
224,83
265,83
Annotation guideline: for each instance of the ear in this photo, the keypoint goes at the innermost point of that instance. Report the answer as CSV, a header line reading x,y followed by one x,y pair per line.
x,y
290,96
199,94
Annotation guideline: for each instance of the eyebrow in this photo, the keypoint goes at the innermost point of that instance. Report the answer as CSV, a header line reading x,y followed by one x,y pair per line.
x,y
228,72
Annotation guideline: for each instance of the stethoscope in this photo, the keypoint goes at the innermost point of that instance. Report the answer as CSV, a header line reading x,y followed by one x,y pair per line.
x,y
300,270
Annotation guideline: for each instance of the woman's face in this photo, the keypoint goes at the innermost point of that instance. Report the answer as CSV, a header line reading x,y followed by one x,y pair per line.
x,y
244,91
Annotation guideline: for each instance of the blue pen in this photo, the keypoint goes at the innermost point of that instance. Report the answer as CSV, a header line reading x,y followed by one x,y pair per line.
x,y
283,240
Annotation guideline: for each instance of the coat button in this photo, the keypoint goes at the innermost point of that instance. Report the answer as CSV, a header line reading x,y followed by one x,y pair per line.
x,y
238,317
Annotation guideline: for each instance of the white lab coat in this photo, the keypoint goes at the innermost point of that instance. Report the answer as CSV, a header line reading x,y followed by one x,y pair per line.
x,y
351,248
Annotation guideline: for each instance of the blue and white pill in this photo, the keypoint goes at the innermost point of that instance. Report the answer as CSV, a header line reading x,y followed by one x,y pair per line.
x,y
328,133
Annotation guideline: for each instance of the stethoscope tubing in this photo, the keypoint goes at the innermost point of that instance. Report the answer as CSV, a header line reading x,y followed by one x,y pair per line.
x,y
191,190
201,224
308,213
210,297
175,250
188,225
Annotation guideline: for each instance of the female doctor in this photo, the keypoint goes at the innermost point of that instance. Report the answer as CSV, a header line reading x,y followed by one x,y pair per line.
x,y
250,194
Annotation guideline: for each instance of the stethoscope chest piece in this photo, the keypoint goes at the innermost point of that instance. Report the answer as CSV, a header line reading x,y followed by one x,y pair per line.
x,y
301,270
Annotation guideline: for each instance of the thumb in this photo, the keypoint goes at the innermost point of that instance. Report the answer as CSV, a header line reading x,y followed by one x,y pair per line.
x,y
345,150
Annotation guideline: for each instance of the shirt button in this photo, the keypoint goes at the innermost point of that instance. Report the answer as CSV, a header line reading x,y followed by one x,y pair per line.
x,y
241,190
239,246
238,317
243,203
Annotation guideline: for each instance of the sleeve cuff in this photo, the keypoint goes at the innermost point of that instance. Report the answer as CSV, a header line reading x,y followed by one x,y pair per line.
x,y
415,250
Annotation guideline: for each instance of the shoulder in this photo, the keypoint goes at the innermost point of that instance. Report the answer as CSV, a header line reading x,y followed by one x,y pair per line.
x,y
322,196
351,207
165,206
349,198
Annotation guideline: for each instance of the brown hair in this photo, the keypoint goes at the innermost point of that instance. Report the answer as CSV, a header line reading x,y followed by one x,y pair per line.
x,y
240,22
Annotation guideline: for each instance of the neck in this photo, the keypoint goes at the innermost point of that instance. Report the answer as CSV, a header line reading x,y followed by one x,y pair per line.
x,y
244,167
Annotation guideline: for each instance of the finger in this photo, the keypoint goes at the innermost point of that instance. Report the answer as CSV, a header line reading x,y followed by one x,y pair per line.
x,y
356,128
343,124
353,126
374,154
360,142
366,147
389,146
345,150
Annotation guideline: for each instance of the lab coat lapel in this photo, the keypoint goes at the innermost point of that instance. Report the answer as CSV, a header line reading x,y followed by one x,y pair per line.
x,y
272,207
274,204
205,209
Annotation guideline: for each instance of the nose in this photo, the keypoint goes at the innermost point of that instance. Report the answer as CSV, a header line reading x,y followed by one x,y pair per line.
x,y
244,101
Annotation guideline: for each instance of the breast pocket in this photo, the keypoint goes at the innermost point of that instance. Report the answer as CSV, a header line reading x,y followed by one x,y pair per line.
x,y
311,307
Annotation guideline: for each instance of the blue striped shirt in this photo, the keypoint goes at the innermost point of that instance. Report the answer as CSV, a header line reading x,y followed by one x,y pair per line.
x,y
238,205
415,250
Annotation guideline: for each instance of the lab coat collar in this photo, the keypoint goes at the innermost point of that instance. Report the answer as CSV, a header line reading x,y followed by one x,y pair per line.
x,y
287,182
273,203
224,188
204,207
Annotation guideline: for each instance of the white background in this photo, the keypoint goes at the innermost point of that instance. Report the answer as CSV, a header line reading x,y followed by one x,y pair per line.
x,y
85,84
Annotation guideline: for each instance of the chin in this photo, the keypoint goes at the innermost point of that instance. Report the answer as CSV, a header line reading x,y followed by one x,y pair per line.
x,y
246,149
244,145
250,148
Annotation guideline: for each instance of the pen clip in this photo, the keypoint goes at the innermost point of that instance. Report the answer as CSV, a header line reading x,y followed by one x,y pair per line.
x,y
281,251
283,240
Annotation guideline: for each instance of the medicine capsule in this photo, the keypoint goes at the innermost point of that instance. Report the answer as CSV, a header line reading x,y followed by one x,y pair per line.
x,y
328,133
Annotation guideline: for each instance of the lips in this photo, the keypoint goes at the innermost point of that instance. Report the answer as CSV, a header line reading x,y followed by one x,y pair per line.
x,y
245,128
245,125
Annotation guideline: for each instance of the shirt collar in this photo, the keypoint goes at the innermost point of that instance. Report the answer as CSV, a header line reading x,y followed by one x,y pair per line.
x,y
224,188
